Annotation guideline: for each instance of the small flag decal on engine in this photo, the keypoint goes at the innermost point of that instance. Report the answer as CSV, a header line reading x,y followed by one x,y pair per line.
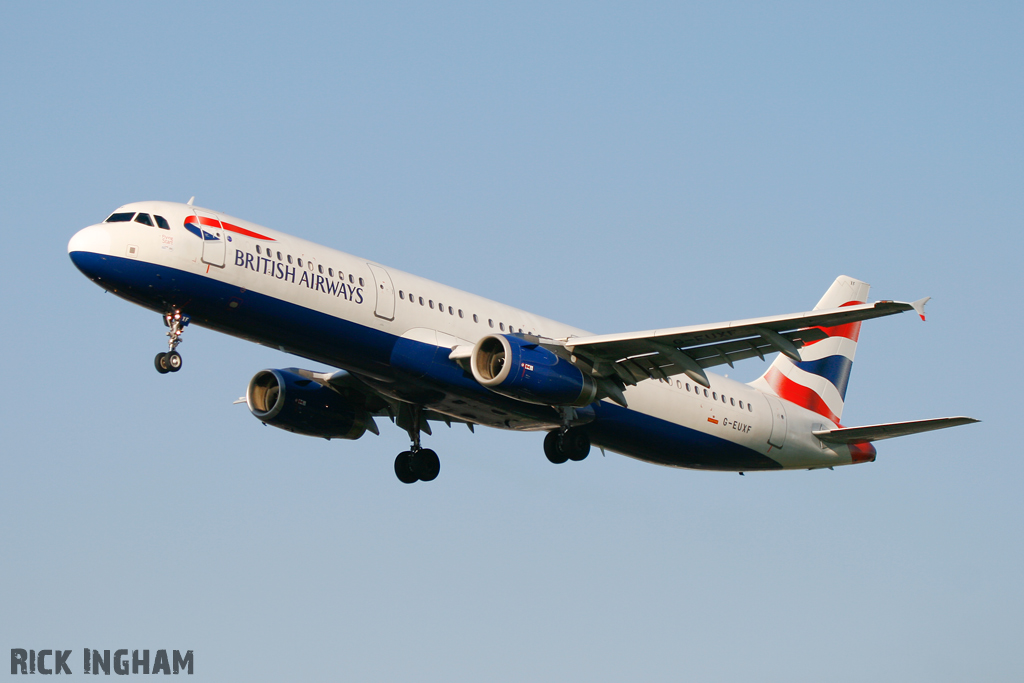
x,y
527,366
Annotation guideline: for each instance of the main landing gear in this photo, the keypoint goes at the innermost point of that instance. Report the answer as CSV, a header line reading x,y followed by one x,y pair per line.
x,y
416,464
421,464
171,360
568,443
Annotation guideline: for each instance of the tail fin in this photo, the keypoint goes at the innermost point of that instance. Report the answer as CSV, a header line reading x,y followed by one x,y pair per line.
x,y
818,382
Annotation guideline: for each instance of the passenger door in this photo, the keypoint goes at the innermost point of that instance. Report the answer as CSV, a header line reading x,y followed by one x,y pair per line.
x,y
779,428
385,307
215,242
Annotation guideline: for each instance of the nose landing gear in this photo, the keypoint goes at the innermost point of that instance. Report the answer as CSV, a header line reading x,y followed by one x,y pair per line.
x,y
171,360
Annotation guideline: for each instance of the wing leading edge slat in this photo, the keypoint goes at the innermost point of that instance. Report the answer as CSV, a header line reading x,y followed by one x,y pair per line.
x,y
688,350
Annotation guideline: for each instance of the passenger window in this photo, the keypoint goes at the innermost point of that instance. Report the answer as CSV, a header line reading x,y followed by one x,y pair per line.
x,y
490,322
705,393
361,282
351,278
279,256
451,311
119,218
421,301
300,262
475,318
460,313
741,405
144,219
732,401
502,326
161,222
723,398
687,386
714,396
258,251
289,258
679,385
321,269
401,294
330,272
431,302
750,408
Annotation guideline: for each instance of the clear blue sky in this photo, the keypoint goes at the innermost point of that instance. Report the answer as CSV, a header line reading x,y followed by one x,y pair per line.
x,y
615,166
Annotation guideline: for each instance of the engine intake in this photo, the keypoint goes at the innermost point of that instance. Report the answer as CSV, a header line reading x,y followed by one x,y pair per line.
x,y
291,402
523,370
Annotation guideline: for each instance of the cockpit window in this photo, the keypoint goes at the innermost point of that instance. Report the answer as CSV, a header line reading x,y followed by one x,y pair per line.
x,y
119,217
162,222
144,219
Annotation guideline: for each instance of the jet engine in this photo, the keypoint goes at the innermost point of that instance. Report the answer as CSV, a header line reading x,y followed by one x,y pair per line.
x,y
526,371
296,404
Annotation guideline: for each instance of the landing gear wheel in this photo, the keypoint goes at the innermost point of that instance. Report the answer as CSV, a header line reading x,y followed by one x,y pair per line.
x,y
426,464
553,450
176,323
173,360
161,363
404,468
576,445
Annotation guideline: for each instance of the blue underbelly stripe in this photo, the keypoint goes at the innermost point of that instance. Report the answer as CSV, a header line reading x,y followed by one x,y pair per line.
x,y
337,342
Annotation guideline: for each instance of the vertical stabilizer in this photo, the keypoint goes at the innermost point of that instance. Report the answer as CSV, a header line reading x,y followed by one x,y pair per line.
x,y
818,382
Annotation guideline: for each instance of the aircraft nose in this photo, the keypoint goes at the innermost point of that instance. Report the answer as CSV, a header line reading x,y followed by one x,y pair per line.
x,y
86,245
94,239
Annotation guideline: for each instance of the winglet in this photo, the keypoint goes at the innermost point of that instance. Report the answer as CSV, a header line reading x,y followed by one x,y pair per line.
x,y
919,306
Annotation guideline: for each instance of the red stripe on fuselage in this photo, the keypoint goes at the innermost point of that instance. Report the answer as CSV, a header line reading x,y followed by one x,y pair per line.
x,y
799,394
214,223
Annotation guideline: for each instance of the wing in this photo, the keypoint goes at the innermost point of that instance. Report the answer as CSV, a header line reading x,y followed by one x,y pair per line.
x,y
630,358
890,430
358,393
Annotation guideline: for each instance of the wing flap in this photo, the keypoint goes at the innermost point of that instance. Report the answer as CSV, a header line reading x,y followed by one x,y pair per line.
x,y
642,355
889,430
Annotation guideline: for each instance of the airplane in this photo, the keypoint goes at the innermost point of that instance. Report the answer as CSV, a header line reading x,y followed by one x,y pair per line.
x,y
415,351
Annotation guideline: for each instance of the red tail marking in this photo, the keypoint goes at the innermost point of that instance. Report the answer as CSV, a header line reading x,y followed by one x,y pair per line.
x,y
798,394
862,452
850,330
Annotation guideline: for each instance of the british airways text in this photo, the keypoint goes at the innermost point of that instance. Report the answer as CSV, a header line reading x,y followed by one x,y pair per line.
x,y
276,269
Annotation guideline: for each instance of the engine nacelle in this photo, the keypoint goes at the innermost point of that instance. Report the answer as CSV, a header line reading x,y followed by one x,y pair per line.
x,y
522,370
296,404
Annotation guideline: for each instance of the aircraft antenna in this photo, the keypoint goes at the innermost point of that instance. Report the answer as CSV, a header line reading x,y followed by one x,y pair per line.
x,y
189,202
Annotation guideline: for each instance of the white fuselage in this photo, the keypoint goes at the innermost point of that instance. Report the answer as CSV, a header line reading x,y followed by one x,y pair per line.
x,y
256,274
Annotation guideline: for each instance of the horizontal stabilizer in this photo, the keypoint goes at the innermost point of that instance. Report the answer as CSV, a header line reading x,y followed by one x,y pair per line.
x,y
890,430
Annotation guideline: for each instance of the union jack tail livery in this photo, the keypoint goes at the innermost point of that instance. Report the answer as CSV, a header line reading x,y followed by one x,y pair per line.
x,y
818,382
